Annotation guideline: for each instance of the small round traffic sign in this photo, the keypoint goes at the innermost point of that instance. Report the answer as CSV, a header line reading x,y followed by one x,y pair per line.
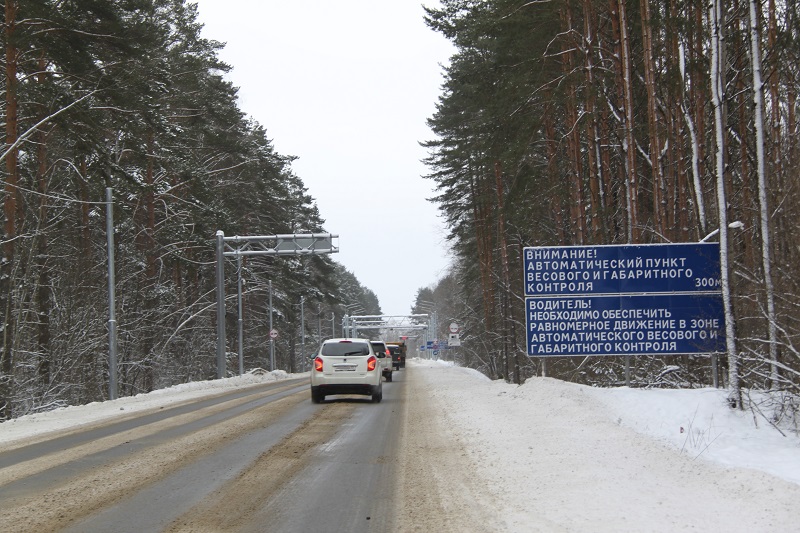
x,y
273,334
453,327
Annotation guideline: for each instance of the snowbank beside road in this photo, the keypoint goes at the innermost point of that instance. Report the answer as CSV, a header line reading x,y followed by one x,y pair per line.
x,y
700,424
70,417
696,422
564,457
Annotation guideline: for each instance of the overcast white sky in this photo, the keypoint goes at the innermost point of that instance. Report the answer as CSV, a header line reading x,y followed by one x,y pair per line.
x,y
346,87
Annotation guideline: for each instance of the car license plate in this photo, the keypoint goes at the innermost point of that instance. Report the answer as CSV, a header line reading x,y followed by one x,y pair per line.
x,y
344,368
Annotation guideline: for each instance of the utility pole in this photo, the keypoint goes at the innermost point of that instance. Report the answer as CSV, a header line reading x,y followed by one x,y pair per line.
x,y
112,318
271,339
240,321
220,305
302,332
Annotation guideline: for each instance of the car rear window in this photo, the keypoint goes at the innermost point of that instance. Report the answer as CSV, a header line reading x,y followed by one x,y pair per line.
x,y
345,348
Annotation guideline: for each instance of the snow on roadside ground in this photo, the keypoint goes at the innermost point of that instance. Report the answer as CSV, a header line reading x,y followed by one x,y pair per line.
x,y
697,422
566,457
700,424
73,416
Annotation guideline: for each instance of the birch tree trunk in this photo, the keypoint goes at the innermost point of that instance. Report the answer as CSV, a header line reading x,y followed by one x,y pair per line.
x,y
552,171
577,209
747,185
595,169
678,199
629,143
695,113
775,165
659,192
717,99
766,253
43,300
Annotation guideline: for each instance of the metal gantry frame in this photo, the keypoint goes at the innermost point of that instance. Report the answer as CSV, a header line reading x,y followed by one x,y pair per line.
x,y
432,333
351,324
258,245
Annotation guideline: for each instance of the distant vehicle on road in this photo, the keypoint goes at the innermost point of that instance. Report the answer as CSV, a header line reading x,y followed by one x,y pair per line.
x,y
401,346
396,352
382,352
346,366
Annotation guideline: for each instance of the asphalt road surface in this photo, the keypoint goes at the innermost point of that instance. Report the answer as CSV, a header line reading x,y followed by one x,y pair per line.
x,y
259,459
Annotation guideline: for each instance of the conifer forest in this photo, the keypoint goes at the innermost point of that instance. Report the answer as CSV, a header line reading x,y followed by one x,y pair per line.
x,y
126,94
588,122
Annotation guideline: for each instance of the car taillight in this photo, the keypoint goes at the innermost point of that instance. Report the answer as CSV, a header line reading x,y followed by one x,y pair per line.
x,y
388,353
372,362
318,364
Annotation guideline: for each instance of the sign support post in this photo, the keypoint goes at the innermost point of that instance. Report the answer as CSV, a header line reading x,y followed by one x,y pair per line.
x,y
271,334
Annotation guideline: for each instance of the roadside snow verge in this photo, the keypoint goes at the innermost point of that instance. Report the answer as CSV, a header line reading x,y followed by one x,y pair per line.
x,y
559,456
78,415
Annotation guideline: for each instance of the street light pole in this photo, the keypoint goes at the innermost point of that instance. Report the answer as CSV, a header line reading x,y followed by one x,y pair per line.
x,y
112,318
240,321
220,305
302,332
271,340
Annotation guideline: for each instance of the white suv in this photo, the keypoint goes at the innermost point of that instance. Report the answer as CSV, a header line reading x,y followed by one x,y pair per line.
x,y
346,366
382,352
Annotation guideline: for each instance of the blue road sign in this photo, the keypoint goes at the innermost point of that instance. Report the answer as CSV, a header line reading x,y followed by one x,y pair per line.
x,y
618,269
625,325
